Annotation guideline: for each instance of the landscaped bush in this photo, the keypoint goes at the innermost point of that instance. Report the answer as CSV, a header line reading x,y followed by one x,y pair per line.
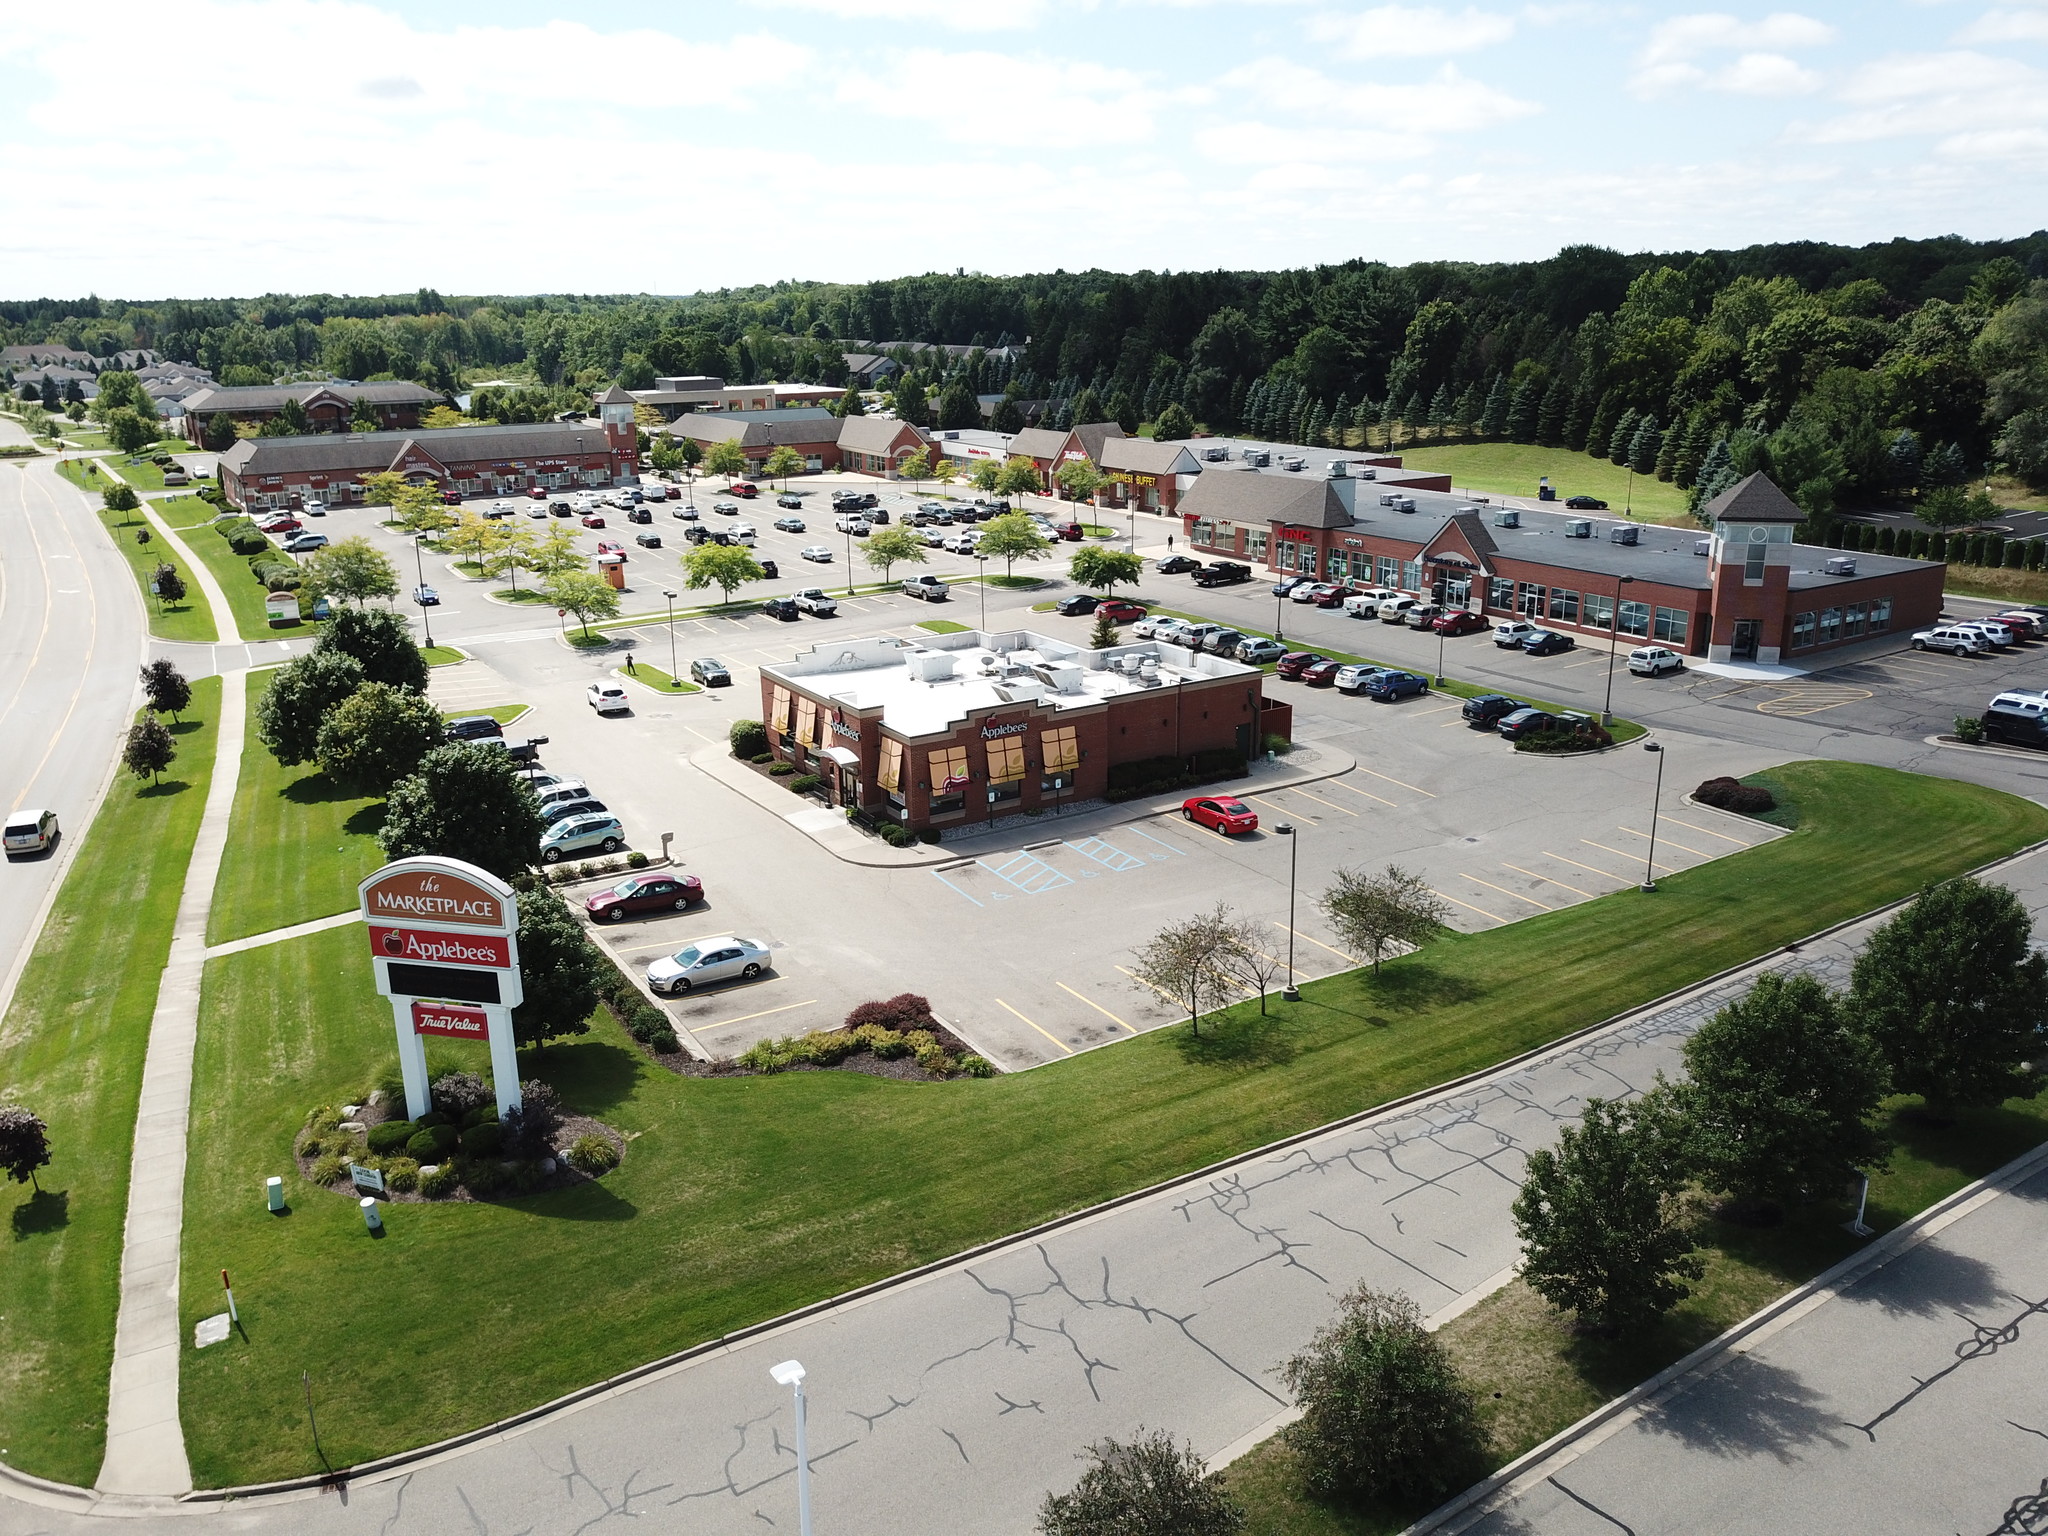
x,y
804,783
761,758
749,738
438,1184
455,1094
977,1066
480,1115
906,1010
529,1129
402,1174
1727,794
1155,775
1969,729
664,1043
391,1137
593,1155
1587,738
327,1169
636,860
313,1146
324,1119
781,770
481,1179
486,1140
432,1144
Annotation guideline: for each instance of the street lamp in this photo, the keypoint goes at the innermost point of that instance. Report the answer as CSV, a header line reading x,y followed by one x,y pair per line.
x,y
849,559
1613,642
1279,601
981,581
665,592
791,1374
1656,796
420,570
1133,546
1286,830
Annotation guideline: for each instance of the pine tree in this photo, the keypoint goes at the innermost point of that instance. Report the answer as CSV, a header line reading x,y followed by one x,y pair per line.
x,y
1551,413
1440,409
1363,418
1578,419
1411,415
1466,413
1600,429
1623,437
1717,473
1522,411
1314,426
1251,412
1493,420
1904,460
1644,444
1236,407
1667,454
1944,466
1340,420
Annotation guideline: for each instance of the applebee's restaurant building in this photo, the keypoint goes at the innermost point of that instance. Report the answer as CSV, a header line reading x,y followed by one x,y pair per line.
x,y
962,728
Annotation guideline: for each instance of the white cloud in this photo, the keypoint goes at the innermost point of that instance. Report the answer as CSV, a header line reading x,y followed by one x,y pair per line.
x,y
960,15
1445,102
1045,103
1254,143
1974,106
2007,27
1401,31
1669,61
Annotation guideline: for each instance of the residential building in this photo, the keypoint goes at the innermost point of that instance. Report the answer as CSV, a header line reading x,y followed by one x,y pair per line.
x,y
329,407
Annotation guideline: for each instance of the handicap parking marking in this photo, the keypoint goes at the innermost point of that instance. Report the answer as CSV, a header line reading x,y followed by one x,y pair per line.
x,y
1111,857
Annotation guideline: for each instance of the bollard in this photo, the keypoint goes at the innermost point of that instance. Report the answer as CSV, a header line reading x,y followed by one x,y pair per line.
x,y
275,1188
370,1217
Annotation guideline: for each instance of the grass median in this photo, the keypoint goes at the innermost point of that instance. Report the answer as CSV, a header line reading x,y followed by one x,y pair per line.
x,y
71,1050
742,1198
245,593
190,619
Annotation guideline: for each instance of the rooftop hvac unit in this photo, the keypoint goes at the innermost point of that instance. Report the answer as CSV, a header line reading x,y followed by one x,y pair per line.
x,y
1368,473
930,666
1578,528
1623,533
1148,673
1703,546
1336,469
1461,511
1840,565
1507,517
1406,504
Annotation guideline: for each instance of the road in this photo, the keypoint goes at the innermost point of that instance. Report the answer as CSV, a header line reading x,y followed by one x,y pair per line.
x,y
71,628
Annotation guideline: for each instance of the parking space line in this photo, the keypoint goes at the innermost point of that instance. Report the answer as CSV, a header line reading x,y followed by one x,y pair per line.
x,y
1548,879
1177,852
705,1029
1312,821
949,885
634,949
1368,794
1712,833
1092,1004
1440,709
1672,841
1064,1047
1620,855
1391,780
1319,944
1319,800
1518,896
1447,896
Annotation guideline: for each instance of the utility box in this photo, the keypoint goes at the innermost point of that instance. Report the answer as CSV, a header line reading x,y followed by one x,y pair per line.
x,y
1507,517
613,568
1623,533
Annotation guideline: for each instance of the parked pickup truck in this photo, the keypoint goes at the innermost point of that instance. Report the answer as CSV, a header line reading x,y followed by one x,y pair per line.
x,y
931,588
812,600
521,749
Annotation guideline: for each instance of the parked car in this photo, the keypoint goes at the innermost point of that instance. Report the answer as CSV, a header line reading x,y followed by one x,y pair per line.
x,y
1173,565
1222,573
1331,596
1489,709
500,509
593,519
610,547
561,810
707,961
29,832
315,509
1386,687
561,792
1531,721
1322,673
561,509
1585,503
1309,591
812,600
639,515
1159,626
963,543
1459,621
791,500
1118,611
426,597
1294,663
1222,642
726,508
1394,610
782,608
789,525
1195,636
607,698
1951,638
742,533
817,552
746,490
2016,720
1075,603
1285,586
451,498
1510,634
1995,635
687,513
1549,642
648,540
1220,813
644,893
521,749
710,672
281,522
581,834
1654,661
305,543
539,509
1423,616
931,589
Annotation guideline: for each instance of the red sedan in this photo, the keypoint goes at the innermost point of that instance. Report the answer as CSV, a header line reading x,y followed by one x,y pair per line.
x,y
1220,813
1320,672
1121,612
280,525
610,547
1295,663
1330,599
1459,621
451,498
535,493
593,520
645,893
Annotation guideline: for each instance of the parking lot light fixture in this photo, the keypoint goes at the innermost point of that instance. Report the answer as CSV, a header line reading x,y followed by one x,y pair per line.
x,y
420,570
1613,640
665,592
791,1374
849,561
1279,603
1286,829
981,581
1656,797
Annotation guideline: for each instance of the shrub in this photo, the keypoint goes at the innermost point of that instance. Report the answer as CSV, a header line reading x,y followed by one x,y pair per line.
x,y
1969,728
804,783
435,1142
481,1115
928,835
391,1136
327,1169
402,1174
249,543
480,1178
636,860
894,835
529,1129
977,1066
935,1060
455,1094
1383,1413
312,1146
1727,794
761,758
781,770
1149,1487
431,1118
665,1043
326,1118
645,1022
749,738
593,1155
906,1010
886,1043
486,1140
440,1183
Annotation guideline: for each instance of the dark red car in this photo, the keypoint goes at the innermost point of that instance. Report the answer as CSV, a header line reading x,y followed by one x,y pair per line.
x,y
745,489
536,493
1320,672
1294,663
451,498
645,893
1121,612
1330,599
593,520
1220,813
1459,621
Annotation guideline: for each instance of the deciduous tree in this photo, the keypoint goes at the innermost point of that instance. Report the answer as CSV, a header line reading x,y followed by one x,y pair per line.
x,y
351,569
1019,477
917,468
150,749
782,463
726,458
1079,479
1097,565
727,567
1147,1487
1190,962
24,1144
300,696
892,546
1379,915
466,801
560,968
1013,537
381,643
377,736
165,687
120,498
586,594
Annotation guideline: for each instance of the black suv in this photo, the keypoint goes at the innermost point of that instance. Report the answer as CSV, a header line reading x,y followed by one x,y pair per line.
x,y
1222,573
472,728
1489,709
783,608
2018,728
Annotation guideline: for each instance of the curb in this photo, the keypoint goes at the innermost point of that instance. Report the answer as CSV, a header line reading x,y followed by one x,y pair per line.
x,y
1056,1224
1487,1497
1950,744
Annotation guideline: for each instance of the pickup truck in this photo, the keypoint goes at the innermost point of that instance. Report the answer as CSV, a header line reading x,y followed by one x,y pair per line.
x,y
521,749
931,588
813,601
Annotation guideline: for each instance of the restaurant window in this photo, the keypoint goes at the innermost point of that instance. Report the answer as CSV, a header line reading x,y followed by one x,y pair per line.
x,y
1308,559
1388,570
890,773
1753,562
1203,534
1802,630
1853,619
807,722
1338,568
1671,626
1880,615
1529,600
1635,619
1006,760
1226,535
1564,605
1287,549
1255,544
1599,611
1500,593
1062,751
1830,624
948,769
778,712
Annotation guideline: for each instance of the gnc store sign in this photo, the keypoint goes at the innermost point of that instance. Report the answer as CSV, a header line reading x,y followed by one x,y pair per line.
x,y
444,943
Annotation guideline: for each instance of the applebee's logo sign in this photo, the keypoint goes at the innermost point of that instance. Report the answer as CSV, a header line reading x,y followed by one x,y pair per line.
x,y
439,948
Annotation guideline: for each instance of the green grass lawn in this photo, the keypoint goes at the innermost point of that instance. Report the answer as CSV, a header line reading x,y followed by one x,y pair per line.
x,y
741,1198
656,679
244,592
86,474
504,714
443,655
945,626
71,1050
519,595
191,619
1514,469
298,846
142,474
183,512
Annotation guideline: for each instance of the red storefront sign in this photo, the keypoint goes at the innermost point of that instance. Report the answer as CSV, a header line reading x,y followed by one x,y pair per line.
x,y
440,948
450,1019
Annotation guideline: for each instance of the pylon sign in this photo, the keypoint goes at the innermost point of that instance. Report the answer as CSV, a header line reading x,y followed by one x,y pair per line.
x,y
444,943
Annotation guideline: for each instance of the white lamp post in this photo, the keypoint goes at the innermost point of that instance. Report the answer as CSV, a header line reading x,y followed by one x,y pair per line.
x,y
1656,797
791,1374
1286,830
665,592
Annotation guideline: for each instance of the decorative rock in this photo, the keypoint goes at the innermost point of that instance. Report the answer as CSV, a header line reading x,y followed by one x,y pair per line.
x,y
376,1097
355,1126
350,1111
430,1168
547,1166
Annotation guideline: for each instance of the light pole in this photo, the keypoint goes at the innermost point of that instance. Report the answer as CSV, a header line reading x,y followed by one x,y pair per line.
x,y
791,1374
981,581
849,560
1628,501
420,570
1613,641
1279,599
1438,624
1286,829
1656,796
665,592
1133,545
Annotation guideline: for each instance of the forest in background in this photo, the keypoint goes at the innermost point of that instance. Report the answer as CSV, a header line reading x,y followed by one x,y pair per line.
x,y
1892,371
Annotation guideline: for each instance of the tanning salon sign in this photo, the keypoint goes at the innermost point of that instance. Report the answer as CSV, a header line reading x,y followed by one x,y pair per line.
x,y
445,948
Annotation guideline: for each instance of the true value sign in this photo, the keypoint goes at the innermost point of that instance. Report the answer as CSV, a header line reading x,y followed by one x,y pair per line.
x,y
444,943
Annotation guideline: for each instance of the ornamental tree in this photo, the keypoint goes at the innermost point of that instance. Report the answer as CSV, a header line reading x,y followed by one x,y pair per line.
x,y
301,695
917,468
149,749
782,463
165,687
1014,537
727,567
466,800
726,458
585,594
1146,1487
1079,479
378,735
1190,962
887,547
24,1144
381,643
120,498
563,973
1105,568
351,569
1018,476
168,584
1378,915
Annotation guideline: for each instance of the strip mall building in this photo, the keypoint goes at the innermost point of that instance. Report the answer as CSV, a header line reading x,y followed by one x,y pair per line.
x,y
1745,592
957,729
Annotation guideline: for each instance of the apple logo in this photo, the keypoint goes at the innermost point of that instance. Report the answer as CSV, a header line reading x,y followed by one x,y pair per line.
x,y
394,942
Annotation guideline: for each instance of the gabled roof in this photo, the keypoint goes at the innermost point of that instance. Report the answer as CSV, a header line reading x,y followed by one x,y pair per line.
x,y
1466,528
615,396
1093,434
1141,455
271,397
875,434
1754,500
1038,443
1242,497
371,452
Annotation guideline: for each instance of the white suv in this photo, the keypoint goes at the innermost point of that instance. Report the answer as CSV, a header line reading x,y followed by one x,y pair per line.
x,y
1654,661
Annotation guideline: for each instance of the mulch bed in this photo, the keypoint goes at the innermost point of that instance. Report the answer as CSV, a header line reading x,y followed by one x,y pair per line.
x,y
565,1176
903,1068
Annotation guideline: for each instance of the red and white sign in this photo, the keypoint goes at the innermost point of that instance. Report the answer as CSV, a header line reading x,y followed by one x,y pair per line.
x,y
450,1019
441,948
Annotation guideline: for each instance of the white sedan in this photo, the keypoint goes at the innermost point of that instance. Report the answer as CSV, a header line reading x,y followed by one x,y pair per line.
x,y
817,552
706,961
608,698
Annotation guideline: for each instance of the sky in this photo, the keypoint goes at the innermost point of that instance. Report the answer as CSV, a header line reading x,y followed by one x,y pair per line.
x,y
352,146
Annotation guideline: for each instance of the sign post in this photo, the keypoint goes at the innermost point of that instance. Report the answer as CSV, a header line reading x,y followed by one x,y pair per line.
x,y
444,943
